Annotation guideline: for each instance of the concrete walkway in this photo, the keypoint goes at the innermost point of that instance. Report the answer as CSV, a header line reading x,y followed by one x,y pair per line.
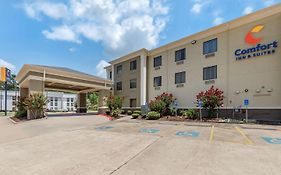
x,y
141,147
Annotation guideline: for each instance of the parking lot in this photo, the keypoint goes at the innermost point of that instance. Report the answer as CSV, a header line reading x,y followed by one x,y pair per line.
x,y
145,147
211,132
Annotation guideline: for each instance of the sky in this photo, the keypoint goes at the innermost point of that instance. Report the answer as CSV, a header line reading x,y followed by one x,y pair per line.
x,y
86,34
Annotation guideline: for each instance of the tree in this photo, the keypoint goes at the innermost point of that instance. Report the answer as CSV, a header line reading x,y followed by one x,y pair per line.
x,y
93,98
162,103
211,99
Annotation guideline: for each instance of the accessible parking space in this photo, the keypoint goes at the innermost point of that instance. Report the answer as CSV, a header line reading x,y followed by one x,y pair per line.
x,y
193,132
239,134
264,135
228,133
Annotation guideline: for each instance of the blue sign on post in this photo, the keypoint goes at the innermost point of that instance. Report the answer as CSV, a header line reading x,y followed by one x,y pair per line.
x,y
200,104
246,102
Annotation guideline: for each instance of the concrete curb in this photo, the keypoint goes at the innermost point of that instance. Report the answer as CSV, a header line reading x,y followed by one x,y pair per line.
x,y
13,121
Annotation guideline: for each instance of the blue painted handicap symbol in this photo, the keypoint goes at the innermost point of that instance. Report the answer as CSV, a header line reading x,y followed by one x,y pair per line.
x,y
103,127
272,140
187,133
149,130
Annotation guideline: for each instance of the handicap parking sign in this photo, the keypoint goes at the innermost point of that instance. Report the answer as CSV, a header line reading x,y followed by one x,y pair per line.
x,y
187,133
272,140
103,127
149,130
246,102
200,104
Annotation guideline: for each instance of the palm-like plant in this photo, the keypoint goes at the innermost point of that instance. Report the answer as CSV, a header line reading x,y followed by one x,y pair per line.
x,y
35,104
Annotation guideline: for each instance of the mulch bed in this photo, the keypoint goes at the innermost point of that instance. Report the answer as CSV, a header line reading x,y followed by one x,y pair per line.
x,y
183,119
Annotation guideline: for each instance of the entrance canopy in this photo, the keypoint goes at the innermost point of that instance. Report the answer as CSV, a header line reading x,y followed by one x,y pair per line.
x,y
38,78
60,78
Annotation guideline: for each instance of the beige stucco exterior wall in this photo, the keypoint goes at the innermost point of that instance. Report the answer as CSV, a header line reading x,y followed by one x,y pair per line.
x,y
263,72
232,75
125,76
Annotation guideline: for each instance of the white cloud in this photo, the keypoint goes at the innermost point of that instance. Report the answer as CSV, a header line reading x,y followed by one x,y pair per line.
x,y
218,20
100,71
248,10
61,33
120,26
196,8
269,2
53,10
4,63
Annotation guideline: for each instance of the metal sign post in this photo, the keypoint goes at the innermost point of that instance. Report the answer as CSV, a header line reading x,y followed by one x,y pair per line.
x,y
5,76
246,103
176,106
6,87
200,103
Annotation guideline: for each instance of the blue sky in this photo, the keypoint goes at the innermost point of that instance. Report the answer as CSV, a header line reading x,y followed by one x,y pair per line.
x,y
85,34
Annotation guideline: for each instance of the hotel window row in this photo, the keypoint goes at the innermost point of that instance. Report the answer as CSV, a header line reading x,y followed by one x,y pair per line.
x,y
133,85
209,73
133,66
209,47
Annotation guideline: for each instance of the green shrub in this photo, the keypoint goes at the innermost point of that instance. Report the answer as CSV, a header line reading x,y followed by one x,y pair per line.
x,y
162,103
114,102
157,105
123,111
35,103
135,115
190,113
129,112
137,112
115,113
211,99
152,115
21,112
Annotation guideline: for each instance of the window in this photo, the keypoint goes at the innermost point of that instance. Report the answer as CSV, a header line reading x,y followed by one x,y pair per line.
x,y
56,101
210,46
119,86
51,101
133,65
180,55
133,102
110,75
133,83
180,77
210,73
158,61
119,69
157,81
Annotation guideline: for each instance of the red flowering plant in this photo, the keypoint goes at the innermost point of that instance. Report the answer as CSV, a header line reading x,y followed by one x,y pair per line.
x,y
211,99
114,103
162,103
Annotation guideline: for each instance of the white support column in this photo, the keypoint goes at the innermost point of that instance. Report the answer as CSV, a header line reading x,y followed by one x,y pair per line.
x,y
143,79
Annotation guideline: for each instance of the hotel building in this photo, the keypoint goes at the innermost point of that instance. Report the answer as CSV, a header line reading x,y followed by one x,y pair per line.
x,y
242,57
